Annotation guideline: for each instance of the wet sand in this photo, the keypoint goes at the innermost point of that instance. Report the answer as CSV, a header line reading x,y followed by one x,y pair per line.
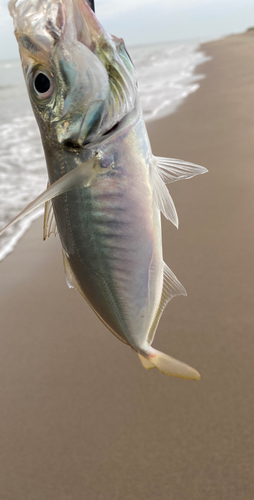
x,y
80,418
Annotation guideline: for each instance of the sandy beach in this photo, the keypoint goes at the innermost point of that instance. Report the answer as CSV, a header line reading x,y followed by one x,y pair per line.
x,y
80,418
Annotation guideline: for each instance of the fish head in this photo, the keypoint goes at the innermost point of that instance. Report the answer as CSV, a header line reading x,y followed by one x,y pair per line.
x,y
80,80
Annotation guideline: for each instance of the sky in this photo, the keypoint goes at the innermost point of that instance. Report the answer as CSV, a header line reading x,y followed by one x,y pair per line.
x,y
150,21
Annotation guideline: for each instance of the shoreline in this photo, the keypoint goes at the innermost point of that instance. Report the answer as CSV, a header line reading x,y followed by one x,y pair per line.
x,y
80,416
190,82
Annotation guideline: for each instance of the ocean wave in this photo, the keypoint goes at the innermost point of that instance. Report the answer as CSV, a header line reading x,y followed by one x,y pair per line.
x,y
165,78
22,176
166,75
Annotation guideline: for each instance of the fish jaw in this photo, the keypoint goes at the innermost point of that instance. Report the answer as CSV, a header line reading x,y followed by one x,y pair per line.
x,y
92,79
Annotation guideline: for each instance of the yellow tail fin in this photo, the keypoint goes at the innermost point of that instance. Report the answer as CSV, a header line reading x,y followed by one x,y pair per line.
x,y
167,365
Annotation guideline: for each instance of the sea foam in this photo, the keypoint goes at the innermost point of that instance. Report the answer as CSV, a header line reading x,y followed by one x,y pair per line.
x,y
165,76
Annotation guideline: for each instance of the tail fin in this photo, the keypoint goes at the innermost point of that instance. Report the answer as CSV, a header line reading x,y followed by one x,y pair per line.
x,y
168,365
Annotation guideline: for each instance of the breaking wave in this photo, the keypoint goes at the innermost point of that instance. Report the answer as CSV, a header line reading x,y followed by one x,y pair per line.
x,y
165,75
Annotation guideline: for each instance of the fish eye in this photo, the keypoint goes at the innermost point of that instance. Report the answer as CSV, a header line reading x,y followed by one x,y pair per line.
x,y
43,84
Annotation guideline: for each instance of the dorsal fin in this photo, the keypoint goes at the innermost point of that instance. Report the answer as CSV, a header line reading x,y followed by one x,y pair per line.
x,y
171,288
166,170
171,170
162,198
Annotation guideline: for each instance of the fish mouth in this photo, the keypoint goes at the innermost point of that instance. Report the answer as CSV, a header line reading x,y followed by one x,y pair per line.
x,y
46,22
51,32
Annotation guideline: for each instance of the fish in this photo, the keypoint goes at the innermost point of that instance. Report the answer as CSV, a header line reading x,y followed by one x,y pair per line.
x,y
106,190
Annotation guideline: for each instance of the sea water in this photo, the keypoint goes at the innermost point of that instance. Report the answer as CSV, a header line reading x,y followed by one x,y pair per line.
x,y
165,77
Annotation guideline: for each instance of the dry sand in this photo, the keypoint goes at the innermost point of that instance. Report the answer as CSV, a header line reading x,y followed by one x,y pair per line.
x,y
79,416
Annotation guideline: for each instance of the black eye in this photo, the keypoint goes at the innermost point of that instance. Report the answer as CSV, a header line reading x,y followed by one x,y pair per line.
x,y
42,83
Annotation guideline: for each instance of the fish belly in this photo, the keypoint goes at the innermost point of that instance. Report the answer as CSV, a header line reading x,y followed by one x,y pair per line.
x,y
110,233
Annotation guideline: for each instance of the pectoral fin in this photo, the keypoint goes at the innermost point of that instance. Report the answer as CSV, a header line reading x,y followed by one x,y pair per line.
x,y
49,222
82,175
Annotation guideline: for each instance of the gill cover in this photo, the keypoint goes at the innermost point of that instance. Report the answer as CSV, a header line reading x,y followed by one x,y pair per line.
x,y
92,79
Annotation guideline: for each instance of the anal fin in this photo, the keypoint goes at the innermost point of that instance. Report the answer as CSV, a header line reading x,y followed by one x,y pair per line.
x,y
72,282
70,277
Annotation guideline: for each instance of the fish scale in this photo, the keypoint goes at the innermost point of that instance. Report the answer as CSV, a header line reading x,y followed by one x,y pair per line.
x,y
105,222
106,190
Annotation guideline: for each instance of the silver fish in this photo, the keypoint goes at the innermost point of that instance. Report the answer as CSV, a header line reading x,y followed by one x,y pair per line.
x,y
106,190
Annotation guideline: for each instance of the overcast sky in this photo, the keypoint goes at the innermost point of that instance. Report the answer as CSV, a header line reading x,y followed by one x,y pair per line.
x,y
144,21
